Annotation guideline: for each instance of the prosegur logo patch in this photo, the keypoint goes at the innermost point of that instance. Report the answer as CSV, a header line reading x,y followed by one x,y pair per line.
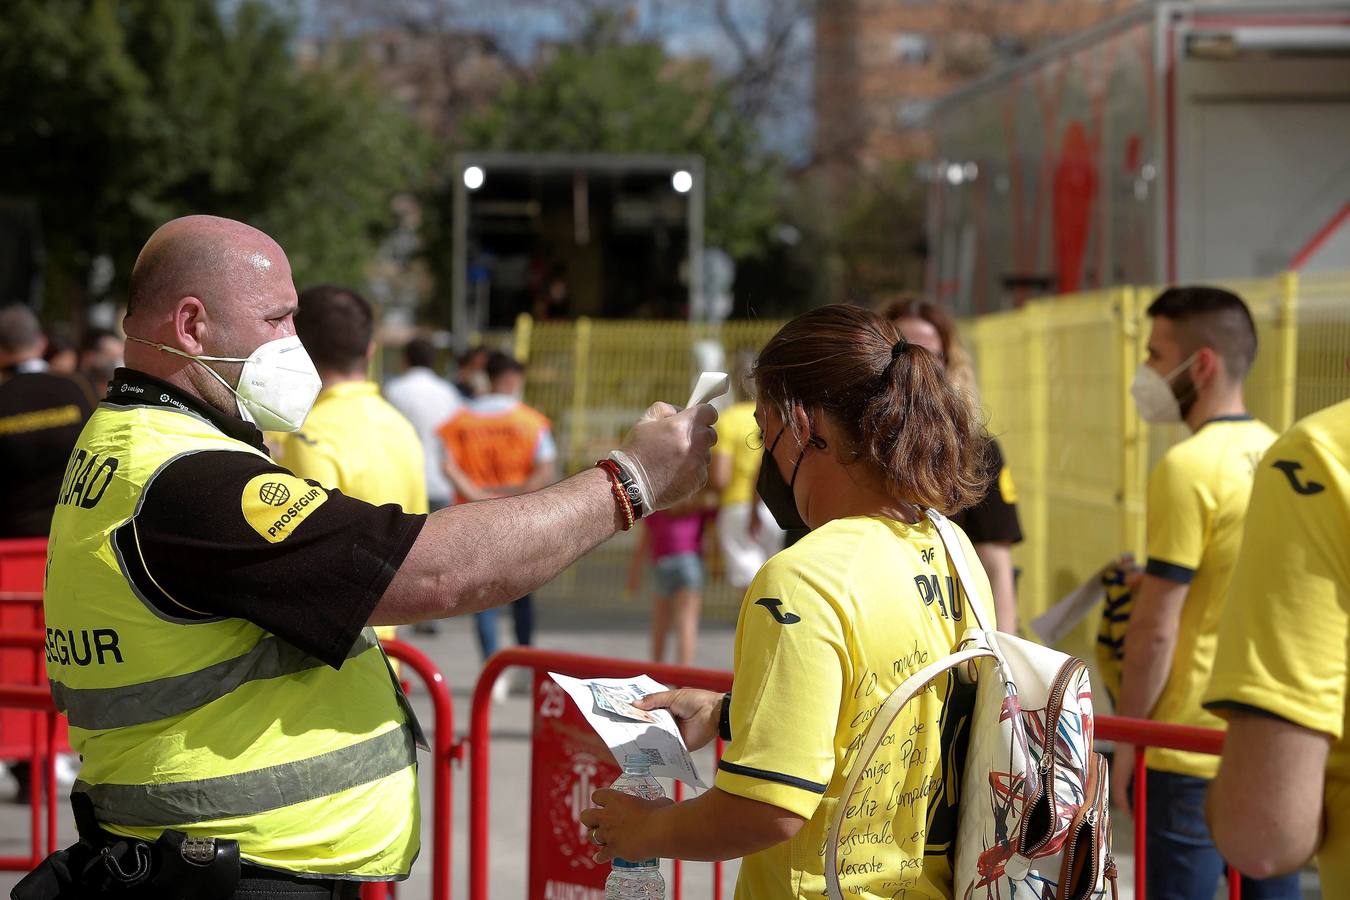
x,y
273,493
275,505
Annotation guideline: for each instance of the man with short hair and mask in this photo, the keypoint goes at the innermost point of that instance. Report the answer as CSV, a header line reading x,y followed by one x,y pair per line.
x,y
208,613
1200,348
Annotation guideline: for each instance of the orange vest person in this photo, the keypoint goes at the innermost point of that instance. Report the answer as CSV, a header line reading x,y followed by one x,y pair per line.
x,y
499,444
496,446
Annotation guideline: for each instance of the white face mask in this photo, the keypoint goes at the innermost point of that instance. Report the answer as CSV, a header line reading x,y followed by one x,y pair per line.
x,y
278,384
1153,395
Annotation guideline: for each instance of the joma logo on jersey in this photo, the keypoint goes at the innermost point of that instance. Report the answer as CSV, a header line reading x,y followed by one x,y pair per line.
x,y
773,605
1290,469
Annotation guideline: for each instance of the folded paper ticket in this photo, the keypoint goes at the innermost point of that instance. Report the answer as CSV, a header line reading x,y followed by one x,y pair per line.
x,y
607,704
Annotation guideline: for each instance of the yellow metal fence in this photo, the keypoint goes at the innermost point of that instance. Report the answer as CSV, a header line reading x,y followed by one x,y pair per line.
x,y
593,379
1054,382
1054,379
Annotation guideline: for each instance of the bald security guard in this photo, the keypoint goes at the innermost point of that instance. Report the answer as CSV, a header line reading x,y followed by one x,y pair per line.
x,y
208,612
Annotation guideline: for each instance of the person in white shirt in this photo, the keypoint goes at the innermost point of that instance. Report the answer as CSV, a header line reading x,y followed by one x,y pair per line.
x,y
427,400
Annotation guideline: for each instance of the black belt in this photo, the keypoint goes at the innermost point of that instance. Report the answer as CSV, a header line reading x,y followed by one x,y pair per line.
x,y
257,883
173,865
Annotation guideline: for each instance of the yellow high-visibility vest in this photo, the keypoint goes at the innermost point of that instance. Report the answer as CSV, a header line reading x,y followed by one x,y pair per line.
x,y
216,728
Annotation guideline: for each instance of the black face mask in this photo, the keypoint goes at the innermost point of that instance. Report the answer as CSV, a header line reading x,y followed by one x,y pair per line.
x,y
776,492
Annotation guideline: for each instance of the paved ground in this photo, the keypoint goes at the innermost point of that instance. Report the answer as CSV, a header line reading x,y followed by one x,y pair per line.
x,y
455,652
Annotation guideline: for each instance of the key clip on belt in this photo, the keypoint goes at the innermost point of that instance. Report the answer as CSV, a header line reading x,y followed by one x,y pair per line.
x,y
202,867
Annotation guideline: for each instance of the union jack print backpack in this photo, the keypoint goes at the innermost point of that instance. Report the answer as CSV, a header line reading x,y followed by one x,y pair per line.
x,y
1034,817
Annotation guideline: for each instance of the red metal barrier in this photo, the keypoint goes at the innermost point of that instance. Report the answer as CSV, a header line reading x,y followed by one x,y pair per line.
x,y
566,664
444,751
22,562
41,759
1144,734
21,611
38,742
22,598
677,865
1140,733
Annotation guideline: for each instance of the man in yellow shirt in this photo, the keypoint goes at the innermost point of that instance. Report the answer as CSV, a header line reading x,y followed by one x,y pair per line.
x,y
1280,673
1201,346
747,533
353,439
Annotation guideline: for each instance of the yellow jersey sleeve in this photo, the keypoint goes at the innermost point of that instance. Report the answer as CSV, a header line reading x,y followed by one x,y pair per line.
x,y
1178,520
306,458
791,659
734,428
1281,646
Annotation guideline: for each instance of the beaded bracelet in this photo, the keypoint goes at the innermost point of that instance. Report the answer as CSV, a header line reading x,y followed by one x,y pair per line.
x,y
611,468
636,496
628,483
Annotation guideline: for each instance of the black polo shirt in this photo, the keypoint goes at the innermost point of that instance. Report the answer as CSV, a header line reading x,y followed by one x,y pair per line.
x,y
41,414
198,548
994,518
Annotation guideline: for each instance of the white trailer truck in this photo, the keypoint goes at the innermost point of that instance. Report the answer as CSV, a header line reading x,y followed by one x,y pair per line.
x,y
1181,141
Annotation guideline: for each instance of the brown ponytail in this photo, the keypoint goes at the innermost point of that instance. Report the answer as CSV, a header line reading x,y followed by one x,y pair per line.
x,y
888,396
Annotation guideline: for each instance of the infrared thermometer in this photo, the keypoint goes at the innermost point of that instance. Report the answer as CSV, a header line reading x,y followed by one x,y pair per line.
x,y
709,387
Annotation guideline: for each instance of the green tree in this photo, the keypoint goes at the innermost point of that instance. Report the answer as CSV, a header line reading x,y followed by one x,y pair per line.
x,y
121,114
599,95
875,247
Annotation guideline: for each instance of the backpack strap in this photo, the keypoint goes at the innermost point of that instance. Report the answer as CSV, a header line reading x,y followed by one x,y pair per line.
x,y
876,731
957,555
890,709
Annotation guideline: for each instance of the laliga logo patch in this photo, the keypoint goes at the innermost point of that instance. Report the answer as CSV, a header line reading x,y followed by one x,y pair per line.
x,y
275,505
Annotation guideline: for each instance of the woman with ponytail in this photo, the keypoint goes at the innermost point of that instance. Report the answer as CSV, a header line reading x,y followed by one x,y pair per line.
x,y
991,523
862,432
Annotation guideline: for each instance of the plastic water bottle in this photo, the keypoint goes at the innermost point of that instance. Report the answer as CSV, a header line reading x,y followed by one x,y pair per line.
x,y
636,879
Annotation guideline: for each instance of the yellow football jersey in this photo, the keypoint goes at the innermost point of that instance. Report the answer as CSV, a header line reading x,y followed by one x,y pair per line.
x,y
738,438
828,629
1282,646
355,441
1197,502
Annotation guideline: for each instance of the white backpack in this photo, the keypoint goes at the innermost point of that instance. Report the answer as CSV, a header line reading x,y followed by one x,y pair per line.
x,y
1034,818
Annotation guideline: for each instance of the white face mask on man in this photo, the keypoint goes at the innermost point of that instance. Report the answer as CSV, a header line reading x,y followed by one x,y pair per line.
x,y
1153,394
277,386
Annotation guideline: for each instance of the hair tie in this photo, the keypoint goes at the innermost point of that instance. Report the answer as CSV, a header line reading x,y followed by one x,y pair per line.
x,y
900,347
